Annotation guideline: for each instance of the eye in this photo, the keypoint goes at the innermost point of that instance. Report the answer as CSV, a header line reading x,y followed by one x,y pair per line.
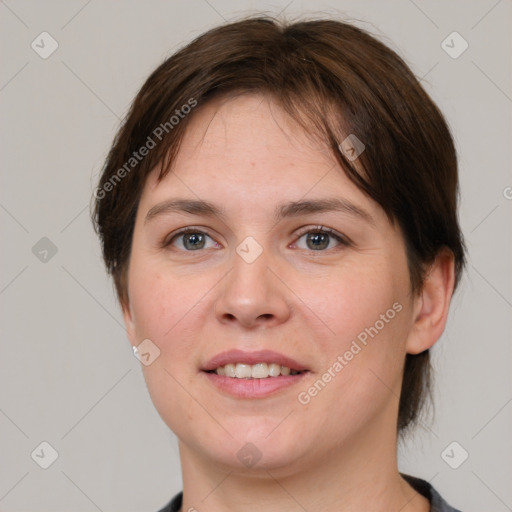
x,y
320,238
189,239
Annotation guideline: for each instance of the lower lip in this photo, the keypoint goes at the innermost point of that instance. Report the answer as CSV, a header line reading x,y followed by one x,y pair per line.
x,y
253,388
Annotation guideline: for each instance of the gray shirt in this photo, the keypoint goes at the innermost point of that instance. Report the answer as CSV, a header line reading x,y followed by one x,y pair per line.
x,y
437,503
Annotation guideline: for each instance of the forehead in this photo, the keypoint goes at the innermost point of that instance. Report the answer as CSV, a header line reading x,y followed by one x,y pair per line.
x,y
234,108
248,129
250,140
245,158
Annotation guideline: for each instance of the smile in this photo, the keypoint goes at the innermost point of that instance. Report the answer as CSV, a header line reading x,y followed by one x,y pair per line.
x,y
254,371
256,374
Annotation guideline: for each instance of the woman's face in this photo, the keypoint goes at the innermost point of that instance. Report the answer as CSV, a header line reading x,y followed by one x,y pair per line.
x,y
260,277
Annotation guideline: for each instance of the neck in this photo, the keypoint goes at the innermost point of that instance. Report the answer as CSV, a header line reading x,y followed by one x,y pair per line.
x,y
360,475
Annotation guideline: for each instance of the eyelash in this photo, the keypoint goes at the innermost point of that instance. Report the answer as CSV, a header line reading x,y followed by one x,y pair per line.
x,y
343,241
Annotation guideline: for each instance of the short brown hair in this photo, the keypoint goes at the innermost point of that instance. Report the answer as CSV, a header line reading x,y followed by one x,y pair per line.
x,y
335,80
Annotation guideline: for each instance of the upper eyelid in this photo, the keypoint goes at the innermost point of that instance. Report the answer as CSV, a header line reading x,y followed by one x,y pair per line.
x,y
320,228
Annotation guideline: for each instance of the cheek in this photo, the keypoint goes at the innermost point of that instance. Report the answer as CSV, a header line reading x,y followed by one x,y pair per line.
x,y
163,308
368,320
160,303
350,302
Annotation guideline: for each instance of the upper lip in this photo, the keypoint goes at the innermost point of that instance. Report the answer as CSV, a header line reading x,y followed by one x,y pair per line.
x,y
259,356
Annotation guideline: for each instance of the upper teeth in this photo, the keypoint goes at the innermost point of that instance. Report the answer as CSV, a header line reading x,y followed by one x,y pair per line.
x,y
255,371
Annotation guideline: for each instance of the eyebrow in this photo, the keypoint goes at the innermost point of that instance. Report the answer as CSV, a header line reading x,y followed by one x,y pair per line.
x,y
291,209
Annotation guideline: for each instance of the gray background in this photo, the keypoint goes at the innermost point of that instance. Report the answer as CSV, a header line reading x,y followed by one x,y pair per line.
x,y
67,372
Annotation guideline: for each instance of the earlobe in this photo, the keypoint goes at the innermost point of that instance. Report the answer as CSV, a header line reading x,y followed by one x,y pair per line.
x,y
432,304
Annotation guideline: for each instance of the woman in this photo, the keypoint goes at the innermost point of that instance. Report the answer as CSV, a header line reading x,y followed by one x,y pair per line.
x,y
279,215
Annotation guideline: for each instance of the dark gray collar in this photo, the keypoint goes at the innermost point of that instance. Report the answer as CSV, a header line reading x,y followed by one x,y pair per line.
x,y
437,503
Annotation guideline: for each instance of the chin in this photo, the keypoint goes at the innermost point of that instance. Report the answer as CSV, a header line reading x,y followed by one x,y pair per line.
x,y
258,445
255,458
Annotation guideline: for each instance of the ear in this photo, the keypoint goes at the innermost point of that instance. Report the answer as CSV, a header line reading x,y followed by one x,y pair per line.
x,y
129,323
432,304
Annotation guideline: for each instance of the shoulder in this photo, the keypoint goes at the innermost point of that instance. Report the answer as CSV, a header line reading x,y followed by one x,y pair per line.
x,y
437,503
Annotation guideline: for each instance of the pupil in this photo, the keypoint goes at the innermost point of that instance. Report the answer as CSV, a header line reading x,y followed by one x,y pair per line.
x,y
318,237
194,238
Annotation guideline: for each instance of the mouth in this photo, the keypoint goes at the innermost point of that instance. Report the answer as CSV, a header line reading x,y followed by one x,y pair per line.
x,y
254,371
253,374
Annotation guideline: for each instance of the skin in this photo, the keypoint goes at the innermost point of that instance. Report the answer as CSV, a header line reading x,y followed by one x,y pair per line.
x,y
337,452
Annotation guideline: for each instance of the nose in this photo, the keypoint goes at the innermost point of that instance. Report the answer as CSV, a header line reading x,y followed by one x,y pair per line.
x,y
252,295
